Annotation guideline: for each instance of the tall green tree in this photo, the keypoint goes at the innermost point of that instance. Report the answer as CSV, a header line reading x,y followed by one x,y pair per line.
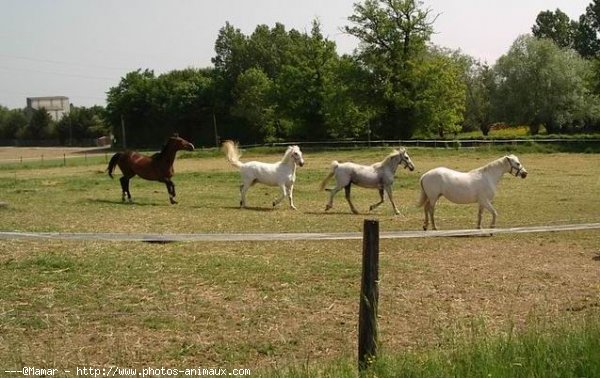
x,y
393,35
254,103
480,82
556,26
541,84
581,34
40,126
441,92
301,85
11,122
152,108
82,123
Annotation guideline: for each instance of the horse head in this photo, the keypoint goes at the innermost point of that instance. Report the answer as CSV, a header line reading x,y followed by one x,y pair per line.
x,y
516,168
403,157
296,155
179,143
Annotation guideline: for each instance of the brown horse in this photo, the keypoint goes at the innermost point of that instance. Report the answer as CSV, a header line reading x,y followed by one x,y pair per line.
x,y
158,167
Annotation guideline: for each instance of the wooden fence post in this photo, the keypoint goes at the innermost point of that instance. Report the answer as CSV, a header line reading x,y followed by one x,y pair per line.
x,y
369,296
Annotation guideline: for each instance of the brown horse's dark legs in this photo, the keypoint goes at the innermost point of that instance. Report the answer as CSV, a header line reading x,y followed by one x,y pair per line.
x,y
171,190
125,187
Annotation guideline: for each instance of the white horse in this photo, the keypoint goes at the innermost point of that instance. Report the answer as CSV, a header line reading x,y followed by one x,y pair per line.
x,y
281,174
379,175
478,185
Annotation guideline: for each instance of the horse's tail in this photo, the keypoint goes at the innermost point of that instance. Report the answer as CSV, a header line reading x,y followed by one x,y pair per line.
x,y
232,153
112,163
334,165
423,197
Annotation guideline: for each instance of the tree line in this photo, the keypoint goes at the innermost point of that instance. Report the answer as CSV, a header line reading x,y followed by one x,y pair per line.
x,y
277,84
81,124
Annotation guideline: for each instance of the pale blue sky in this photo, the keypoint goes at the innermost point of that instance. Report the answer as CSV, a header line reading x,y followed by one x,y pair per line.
x,y
81,48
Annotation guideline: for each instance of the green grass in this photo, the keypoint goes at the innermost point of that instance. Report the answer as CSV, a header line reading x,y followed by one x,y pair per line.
x,y
570,350
291,306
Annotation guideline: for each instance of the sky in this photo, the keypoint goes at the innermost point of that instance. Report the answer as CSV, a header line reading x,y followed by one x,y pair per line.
x,y
81,48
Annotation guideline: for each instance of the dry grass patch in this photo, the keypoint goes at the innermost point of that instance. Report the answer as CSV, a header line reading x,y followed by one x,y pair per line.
x,y
276,303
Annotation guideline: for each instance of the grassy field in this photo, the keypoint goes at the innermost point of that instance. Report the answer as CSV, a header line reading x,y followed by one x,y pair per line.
x,y
276,305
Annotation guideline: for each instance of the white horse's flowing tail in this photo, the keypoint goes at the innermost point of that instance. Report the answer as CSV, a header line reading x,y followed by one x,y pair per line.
x,y
232,153
334,165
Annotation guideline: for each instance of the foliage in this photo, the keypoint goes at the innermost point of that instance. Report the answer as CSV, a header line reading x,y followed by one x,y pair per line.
x,y
541,84
393,36
81,123
276,84
440,95
252,102
580,35
40,125
11,122
151,108
481,85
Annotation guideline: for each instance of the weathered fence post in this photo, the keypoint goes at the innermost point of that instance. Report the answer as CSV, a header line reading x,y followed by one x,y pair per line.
x,y
369,296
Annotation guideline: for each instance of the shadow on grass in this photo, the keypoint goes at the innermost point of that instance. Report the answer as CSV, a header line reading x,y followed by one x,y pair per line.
x,y
248,208
124,203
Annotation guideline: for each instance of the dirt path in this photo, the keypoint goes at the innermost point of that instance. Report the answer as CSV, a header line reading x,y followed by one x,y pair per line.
x,y
11,154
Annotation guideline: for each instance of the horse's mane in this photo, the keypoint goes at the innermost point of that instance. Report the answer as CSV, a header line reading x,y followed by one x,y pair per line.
x,y
163,149
288,152
389,157
492,164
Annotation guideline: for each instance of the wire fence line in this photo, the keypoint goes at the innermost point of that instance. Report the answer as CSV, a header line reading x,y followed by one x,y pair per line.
x,y
435,143
288,236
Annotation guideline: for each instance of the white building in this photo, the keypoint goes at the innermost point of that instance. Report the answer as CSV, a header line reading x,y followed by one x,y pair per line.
x,y
56,106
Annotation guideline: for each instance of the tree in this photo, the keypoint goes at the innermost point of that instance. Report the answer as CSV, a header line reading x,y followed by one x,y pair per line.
x,y
11,122
81,123
585,39
253,103
556,26
581,35
301,84
152,108
441,92
481,85
393,36
39,126
541,84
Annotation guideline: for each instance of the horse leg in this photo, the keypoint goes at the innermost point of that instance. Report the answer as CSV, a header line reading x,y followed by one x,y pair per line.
x,y
374,206
283,194
347,191
426,212
171,191
488,205
123,180
332,193
388,190
431,207
125,187
479,216
243,190
290,190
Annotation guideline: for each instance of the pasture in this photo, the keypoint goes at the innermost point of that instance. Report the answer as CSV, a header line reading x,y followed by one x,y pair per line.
x,y
263,305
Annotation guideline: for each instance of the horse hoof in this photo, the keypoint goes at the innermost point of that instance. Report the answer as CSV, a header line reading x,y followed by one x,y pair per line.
x,y
173,202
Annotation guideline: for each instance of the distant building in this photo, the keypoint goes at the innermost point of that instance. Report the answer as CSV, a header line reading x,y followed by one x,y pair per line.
x,y
56,106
